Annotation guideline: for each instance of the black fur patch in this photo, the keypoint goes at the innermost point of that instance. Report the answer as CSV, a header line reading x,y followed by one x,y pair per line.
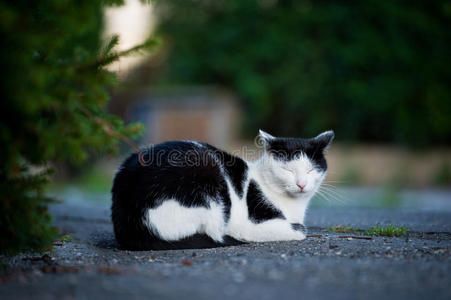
x,y
197,241
187,172
287,149
299,227
258,206
235,167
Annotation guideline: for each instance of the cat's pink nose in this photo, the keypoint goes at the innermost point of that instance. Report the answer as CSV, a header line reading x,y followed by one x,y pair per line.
x,y
301,186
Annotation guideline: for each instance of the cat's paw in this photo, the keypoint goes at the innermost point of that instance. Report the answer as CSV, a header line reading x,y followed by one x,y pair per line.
x,y
300,230
300,236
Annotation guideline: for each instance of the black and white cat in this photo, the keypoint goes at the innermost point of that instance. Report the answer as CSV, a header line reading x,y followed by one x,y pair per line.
x,y
186,194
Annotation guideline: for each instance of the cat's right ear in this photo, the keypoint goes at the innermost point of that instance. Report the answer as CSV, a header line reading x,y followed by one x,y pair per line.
x,y
264,138
324,139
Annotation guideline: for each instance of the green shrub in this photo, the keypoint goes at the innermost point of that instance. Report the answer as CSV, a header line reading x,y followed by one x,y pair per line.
x,y
54,91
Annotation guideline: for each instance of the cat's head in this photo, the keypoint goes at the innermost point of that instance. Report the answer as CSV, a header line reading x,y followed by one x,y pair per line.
x,y
294,167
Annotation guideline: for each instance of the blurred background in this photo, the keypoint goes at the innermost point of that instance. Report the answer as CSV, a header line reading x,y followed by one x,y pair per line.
x,y
377,73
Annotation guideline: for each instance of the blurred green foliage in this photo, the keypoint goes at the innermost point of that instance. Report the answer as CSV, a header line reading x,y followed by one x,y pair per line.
x,y
443,175
54,91
371,70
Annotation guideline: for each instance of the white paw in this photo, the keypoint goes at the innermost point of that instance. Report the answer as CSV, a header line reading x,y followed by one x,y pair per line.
x,y
302,236
299,236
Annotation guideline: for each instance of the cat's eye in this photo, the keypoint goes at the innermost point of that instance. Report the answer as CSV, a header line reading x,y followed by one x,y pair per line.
x,y
289,170
309,171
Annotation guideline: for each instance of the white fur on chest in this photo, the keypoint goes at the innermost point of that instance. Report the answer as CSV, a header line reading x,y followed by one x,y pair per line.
x,y
241,227
292,209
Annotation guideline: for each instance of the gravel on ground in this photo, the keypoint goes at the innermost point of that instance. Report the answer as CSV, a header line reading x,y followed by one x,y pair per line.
x,y
328,265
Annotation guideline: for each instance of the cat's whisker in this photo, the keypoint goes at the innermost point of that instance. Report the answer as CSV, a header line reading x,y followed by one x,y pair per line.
x,y
325,193
326,197
334,191
339,182
334,194
334,172
329,186
322,195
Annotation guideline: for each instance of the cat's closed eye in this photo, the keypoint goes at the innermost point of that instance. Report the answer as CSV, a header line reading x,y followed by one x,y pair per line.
x,y
288,169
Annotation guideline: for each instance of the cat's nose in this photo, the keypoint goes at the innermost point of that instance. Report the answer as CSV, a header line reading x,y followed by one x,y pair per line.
x,y
301,186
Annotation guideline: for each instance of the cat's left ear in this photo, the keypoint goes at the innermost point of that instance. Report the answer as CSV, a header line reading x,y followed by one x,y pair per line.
x,y
264,138
324,140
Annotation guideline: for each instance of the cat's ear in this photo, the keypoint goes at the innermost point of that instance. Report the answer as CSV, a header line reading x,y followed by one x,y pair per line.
x,y
265,135
324,140
264,138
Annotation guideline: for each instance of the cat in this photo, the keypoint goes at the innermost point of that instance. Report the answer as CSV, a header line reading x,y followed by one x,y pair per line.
x,y
187,194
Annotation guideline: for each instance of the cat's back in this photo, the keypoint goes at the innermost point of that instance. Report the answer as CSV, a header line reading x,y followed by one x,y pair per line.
x,y
172,168
173,157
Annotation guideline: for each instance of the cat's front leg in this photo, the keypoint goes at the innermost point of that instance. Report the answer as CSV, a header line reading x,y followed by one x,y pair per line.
x,y
299,227
271,230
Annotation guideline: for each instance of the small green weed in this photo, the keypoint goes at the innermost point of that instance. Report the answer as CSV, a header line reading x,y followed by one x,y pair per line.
x,y
389,230
65,238
343,229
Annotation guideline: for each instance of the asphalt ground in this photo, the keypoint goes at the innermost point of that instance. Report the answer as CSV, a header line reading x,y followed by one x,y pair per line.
x,y
327,265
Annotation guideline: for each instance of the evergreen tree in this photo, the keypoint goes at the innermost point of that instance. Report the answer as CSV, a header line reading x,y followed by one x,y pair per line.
x,y
54,92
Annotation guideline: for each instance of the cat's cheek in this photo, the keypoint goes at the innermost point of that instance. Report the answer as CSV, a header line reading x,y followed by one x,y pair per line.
x,y
285,178
275,176
319,177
